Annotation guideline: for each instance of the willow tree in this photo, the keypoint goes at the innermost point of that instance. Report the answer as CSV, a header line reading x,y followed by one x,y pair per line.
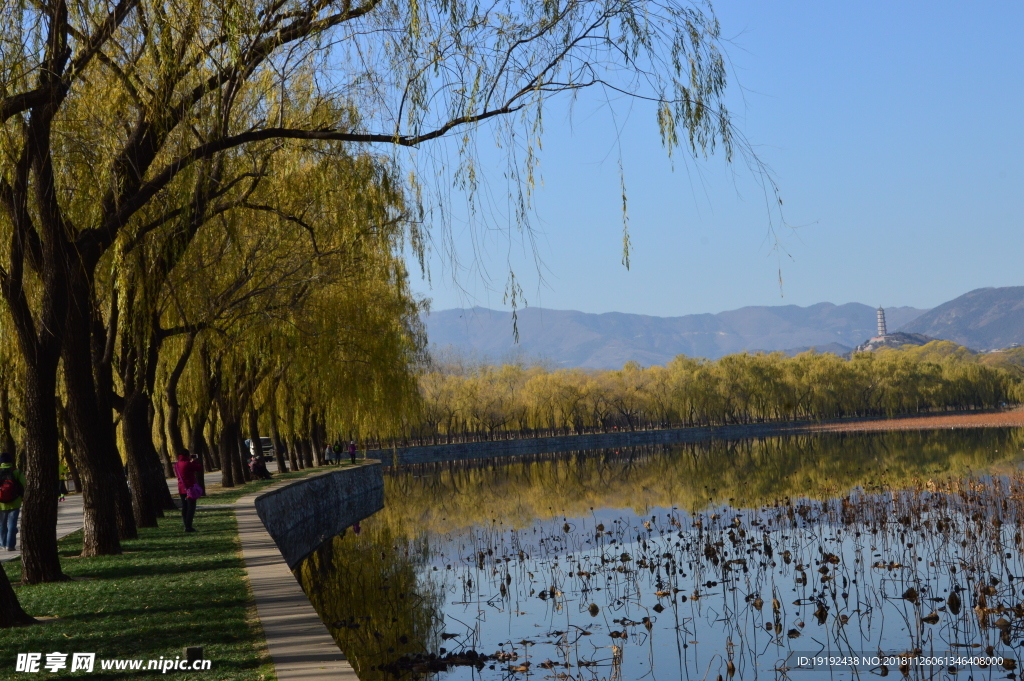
x,y
286,293
171,89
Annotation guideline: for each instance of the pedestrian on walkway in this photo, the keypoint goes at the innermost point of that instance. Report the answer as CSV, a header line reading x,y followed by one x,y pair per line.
x,y
186,468
352,451
12,490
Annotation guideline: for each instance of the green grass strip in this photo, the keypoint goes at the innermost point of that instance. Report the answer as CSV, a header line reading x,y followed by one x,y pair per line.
x,y
167,591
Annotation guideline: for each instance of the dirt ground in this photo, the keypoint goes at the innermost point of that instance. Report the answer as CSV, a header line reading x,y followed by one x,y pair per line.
x,y
1002,419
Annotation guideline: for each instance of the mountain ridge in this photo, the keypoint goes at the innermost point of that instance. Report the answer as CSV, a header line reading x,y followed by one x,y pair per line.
x,y
983,319
570,338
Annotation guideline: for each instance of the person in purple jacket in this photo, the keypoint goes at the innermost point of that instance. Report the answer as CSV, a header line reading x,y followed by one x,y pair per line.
x,y
186,468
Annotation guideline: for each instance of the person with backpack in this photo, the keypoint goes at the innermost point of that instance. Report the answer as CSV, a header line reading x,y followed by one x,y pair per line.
x,y
12,489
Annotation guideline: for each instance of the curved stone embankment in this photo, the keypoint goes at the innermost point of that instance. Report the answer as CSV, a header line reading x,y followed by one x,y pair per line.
x,y
404,456
302,515
277,529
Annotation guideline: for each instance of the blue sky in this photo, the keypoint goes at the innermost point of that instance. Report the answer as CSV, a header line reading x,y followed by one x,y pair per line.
x,y
895,132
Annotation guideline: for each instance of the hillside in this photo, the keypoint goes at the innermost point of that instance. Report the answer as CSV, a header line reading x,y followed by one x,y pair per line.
x,y
577,339
984,319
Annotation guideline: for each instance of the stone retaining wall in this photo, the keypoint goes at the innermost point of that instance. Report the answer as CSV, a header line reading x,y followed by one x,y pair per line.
x,y
308,512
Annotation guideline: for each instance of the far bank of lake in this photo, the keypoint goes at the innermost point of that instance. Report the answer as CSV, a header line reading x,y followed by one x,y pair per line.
x,y
528,446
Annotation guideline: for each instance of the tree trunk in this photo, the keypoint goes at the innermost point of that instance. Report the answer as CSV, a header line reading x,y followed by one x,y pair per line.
x,y
148,487
228,453
11,612
103,479
254,430
295,454
307,453
39,559
165,455
6,438
65,445
173,428
317,442
198,443
158,480
69,460
241,456
279,450
212,463
165,461
85,320
134,427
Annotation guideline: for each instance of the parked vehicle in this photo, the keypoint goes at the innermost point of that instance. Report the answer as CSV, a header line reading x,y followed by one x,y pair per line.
x,y
266,444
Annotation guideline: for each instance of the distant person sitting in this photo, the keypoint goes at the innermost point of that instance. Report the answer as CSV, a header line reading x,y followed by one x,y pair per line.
x,y
258,468
12,490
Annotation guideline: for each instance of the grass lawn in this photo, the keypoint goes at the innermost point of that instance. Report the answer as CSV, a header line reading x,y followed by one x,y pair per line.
x,y
215,494
167,591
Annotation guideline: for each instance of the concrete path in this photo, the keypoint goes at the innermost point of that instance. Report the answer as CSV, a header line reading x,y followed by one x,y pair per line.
x,y
300,645
69,519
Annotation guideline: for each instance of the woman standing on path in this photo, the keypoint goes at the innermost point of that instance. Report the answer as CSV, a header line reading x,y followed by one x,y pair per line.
x,y
189,490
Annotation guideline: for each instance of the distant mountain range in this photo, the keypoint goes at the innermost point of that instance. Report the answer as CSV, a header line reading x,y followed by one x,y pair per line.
x,y
984,319
569,338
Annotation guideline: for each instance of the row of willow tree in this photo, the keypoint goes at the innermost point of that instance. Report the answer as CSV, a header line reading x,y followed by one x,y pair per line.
x,y
204,208
294,323
464,400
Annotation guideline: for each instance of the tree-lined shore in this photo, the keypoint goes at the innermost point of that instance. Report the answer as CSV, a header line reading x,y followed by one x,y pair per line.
x,y
464,401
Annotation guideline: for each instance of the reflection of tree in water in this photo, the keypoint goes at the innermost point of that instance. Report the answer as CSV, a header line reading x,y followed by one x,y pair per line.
x,y
448,497
729,575
365,588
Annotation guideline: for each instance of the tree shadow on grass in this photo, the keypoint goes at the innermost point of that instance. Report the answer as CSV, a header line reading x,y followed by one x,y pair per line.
x,y
154,568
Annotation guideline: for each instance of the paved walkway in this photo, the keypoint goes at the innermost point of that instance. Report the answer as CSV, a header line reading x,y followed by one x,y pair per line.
x,y
300,645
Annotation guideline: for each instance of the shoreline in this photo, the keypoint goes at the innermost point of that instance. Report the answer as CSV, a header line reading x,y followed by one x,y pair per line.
x,y
1013,418
485,449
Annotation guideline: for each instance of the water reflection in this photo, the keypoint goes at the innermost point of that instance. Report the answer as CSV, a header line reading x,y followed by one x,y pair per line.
x,y
690,562
368,589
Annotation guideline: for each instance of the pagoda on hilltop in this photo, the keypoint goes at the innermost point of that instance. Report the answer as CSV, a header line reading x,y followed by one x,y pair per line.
x,y
884,339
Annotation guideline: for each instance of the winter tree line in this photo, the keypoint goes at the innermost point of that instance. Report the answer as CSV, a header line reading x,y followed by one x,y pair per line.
x,y
468,400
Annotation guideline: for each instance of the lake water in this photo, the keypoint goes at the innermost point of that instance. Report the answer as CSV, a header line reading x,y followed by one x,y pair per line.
x,y
830,556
